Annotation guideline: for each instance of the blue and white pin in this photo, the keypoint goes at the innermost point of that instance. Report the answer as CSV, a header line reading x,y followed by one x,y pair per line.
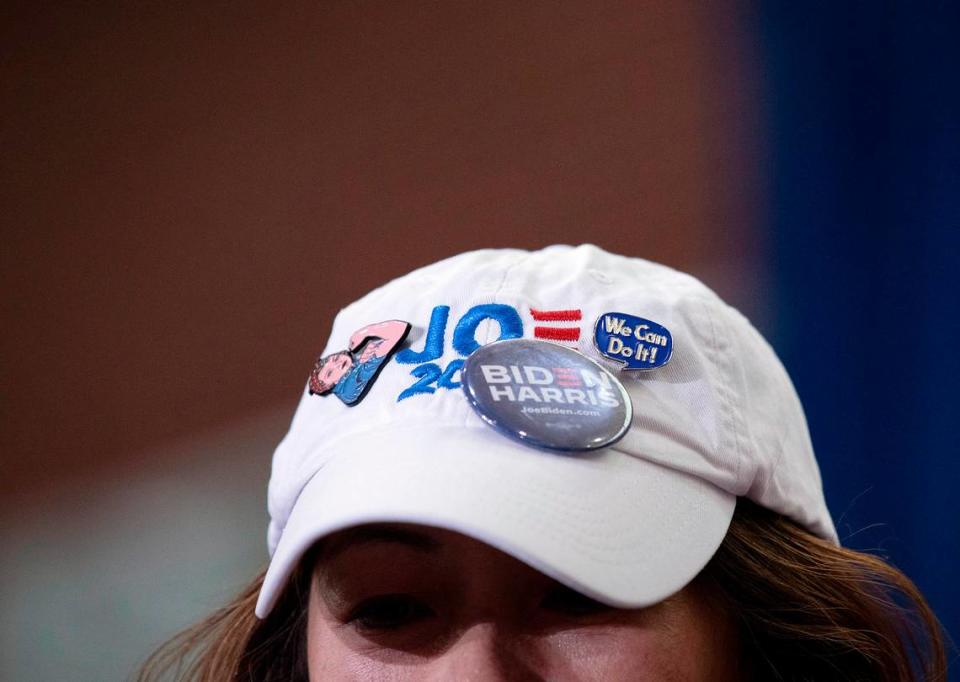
x,y
638,343
546,395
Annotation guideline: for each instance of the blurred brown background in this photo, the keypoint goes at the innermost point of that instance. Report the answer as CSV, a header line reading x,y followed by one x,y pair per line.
x,y
191,190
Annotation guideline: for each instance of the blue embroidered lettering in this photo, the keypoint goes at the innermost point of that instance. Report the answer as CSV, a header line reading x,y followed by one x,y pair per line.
x,y
511,326
433,345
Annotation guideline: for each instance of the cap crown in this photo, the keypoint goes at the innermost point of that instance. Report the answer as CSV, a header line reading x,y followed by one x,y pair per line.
x,y
723,409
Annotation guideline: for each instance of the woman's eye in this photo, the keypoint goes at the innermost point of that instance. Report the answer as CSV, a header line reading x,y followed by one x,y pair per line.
x,y
388,612
571,603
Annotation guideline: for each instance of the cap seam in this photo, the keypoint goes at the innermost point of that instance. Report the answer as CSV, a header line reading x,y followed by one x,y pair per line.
x,y
723,390
495,295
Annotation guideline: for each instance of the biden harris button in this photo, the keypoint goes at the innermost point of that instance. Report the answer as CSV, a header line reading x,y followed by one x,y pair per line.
x,y
633,341
546,396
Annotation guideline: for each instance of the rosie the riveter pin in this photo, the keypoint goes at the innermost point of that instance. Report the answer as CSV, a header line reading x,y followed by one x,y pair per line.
x,y
546,395
348,374
632,340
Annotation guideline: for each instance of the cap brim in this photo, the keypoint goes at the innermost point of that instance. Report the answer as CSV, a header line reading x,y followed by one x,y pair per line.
x,y
619,529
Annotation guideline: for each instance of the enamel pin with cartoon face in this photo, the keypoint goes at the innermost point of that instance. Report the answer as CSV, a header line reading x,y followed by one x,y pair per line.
x,y
350,373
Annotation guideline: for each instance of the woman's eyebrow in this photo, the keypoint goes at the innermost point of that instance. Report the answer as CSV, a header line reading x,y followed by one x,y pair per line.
x,y
376,534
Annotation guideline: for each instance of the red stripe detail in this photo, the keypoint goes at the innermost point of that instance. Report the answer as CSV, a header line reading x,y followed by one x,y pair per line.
x,y
555,315
557,334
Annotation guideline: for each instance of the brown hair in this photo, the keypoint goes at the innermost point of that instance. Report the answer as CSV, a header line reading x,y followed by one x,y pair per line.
x,y
805,608
810,610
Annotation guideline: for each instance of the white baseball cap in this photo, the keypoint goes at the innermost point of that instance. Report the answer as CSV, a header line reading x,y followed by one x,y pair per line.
x,y
628,524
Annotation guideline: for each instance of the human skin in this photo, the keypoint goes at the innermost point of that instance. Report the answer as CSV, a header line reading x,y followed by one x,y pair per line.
x,y
408,602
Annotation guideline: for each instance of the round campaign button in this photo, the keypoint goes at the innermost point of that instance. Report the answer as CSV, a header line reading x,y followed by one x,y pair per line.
x,y
546,395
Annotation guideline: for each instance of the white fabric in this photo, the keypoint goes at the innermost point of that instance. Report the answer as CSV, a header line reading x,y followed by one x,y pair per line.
x,y
628,525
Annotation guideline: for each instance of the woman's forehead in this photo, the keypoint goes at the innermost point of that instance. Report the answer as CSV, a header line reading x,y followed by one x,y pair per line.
x,y
411,536
375,548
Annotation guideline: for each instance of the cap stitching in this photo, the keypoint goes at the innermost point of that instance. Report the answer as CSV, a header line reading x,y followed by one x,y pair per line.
x,y
496,293
774,467
723,389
